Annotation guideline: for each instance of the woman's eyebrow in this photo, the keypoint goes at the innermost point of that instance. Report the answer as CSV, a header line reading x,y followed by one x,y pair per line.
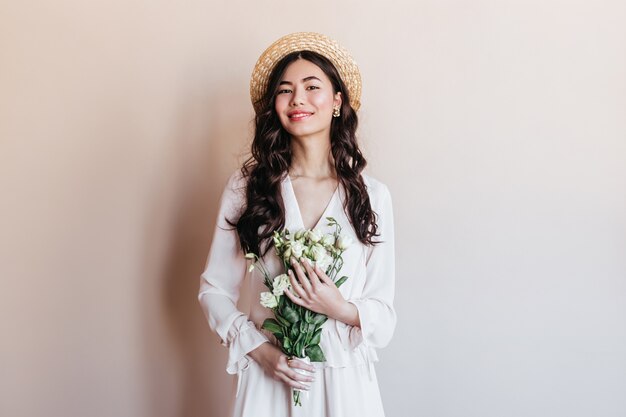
x,y
311,77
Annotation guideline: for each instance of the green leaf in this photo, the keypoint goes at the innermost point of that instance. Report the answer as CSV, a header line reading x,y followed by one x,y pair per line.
x,y
317,336
303,327
319,319
299,345
283,322
272,325
287,343
290,313
341,281
293,332
308,316
315,353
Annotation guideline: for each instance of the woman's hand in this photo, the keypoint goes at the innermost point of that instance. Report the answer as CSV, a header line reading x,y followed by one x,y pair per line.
x,y
318,292
274,363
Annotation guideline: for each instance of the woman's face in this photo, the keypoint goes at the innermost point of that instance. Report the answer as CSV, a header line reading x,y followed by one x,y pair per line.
x,y
305,100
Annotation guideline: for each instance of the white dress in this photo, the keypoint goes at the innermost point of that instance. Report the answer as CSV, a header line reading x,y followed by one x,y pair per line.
x,y
345,384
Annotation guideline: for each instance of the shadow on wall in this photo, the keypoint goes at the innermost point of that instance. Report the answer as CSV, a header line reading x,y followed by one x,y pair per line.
x,y
185,363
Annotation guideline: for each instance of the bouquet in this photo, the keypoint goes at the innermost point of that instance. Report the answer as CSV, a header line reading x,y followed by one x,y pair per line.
x,y
297,328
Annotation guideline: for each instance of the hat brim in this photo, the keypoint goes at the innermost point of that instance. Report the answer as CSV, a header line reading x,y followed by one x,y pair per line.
x,y
306,41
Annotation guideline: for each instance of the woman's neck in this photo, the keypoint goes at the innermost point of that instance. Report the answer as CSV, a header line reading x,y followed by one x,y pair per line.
x,y
311,160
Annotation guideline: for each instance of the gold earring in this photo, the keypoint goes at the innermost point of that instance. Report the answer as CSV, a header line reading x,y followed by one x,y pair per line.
x,y
336,112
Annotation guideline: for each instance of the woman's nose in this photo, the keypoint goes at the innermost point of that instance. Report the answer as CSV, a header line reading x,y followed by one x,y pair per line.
x,y
298,96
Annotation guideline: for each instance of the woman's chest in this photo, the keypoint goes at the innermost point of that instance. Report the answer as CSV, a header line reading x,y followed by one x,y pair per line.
x,y
311,200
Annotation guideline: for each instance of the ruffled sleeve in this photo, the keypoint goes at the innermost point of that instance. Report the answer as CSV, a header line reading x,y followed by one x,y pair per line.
x,y
221,281
375,305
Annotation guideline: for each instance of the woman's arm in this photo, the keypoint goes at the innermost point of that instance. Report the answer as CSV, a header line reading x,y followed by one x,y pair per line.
x,y
376,313
221,281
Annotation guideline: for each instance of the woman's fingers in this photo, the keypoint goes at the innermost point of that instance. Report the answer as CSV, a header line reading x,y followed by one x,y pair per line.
x,y
304,281
292,377
296,380
275,363
323,277
315,280
297,288
295,384
301,378
295,298
298,364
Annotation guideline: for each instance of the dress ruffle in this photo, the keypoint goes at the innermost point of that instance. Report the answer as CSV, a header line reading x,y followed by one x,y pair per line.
x,y
247,339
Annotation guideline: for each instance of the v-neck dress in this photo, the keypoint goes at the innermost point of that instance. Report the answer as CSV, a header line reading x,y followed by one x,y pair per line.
x,y
345,384
289,188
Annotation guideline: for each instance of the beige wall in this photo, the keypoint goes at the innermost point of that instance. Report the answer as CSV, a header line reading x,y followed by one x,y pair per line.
x,y
499,126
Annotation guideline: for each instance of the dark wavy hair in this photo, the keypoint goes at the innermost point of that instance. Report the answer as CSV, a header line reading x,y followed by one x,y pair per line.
x,y
271,157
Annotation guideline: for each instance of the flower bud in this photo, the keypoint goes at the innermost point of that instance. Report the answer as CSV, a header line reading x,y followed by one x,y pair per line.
x,y
344,242
314,235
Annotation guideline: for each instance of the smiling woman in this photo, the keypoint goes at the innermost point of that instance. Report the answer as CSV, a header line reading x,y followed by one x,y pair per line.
x,y
305,167
305,103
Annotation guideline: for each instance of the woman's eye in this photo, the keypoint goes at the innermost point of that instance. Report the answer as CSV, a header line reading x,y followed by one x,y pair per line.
x,y
313,87
282,91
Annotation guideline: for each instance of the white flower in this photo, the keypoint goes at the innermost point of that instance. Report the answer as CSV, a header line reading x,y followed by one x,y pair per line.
x,y
328,240
269,300
318,252
299,234
344,242
297,248
281,283
324,262
251,268
314,235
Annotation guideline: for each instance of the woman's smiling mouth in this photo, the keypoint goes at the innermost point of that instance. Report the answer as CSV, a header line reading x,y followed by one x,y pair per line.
x,y
298,115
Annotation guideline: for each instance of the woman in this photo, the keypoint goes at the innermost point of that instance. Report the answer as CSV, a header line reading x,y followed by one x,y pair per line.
x,y
305,166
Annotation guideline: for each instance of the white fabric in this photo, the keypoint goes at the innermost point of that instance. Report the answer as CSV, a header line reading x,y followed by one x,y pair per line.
x,y
346,382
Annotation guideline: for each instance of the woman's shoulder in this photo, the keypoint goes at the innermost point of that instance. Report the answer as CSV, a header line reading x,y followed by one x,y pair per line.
x,y
234,191
377,189
236,181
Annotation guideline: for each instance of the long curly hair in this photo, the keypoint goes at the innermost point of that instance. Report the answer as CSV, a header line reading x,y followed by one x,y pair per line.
x,y
271,157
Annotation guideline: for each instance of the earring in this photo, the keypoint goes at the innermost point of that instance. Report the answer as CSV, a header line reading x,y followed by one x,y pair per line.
x,y
336,112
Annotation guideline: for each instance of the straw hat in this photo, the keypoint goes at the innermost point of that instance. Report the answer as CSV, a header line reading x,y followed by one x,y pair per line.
x,y
306,41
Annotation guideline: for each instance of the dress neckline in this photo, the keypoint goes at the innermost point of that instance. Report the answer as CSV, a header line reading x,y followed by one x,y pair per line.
x,y
326,211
